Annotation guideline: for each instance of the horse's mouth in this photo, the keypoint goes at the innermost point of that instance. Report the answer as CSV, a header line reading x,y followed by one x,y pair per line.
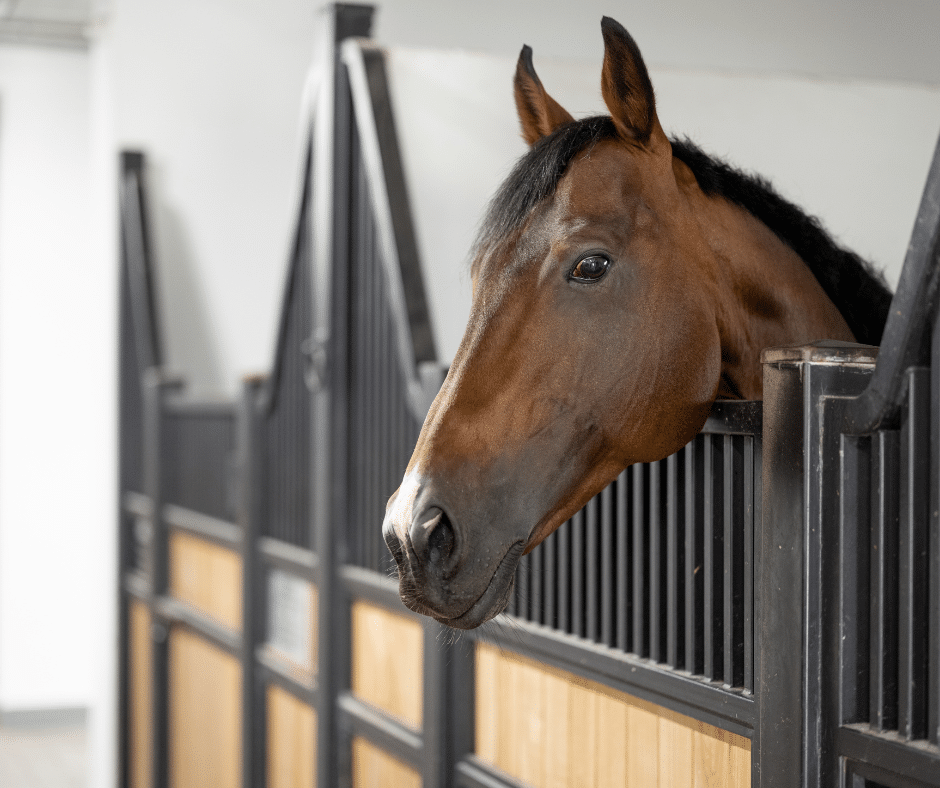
x,y
494,598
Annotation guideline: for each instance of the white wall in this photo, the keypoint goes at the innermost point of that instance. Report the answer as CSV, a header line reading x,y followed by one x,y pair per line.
x,y
56,404
211,92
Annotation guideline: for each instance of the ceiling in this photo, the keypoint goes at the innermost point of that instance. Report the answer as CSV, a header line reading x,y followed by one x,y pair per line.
x,y
58,23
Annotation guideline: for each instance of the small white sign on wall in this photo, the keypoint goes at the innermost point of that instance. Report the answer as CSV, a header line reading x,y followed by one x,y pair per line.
x,y
289,617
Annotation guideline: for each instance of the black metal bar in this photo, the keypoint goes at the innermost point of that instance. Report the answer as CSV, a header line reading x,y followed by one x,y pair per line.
x,y
728,563
271,670
475,773
694,534
709,570
623,563
900,763
288,557
655,564
361,719
448,715
329,423
673,574
523,574
577,573
639,552
854,603
884,581
168,610
912,553
933,545
155,386
608,601
752,520
254,602
906,337
212,529
564,575
797,570
550,560
591,572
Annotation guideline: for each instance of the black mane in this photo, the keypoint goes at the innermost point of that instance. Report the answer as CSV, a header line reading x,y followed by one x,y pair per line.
x,y
858,291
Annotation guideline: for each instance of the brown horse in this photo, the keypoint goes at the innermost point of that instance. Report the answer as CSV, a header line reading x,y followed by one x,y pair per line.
x,y
621,283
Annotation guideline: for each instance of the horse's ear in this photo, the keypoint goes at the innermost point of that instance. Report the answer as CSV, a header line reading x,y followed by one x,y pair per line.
x,y
626,85
539,113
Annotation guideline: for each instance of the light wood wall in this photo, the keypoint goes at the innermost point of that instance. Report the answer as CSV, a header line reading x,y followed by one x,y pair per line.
x,y
552,729
205,714
140,695
387,661
375,768
208,577
292,726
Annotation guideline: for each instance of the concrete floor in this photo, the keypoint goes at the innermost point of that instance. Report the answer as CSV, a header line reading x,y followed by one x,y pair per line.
x,y
43,757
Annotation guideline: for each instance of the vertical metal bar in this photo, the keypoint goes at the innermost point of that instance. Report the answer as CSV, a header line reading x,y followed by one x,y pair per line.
x,y
672,561
693,535
329,423
912,553
536,579
728,563
750,523
155,387
564,576
884,582
577,573
708,564
933,543
591,571
448,704
623,535
523,595
550,559
855,534
608,601
655,564
639,554
254,708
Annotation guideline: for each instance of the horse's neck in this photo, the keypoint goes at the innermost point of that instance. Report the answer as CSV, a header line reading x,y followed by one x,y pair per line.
x,y
766,297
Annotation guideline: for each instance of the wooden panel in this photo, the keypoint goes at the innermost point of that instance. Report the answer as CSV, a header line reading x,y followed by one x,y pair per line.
x,y
140,684
375,768
292,727
550,728
208,577
205,714
387,653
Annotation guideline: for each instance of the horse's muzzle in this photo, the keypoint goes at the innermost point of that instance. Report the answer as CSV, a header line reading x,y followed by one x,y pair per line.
x,y
435,579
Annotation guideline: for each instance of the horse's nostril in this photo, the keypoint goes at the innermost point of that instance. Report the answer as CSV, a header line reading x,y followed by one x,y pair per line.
x,y
441,541
432,537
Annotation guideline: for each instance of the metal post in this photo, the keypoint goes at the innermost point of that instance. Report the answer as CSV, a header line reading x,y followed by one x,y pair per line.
x,y
797,560
330,277
254,710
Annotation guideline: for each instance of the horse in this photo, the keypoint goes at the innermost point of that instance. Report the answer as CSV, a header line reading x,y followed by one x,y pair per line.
x,y
621,283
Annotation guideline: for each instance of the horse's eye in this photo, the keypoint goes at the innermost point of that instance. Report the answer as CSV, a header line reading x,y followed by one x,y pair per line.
x,y
590,268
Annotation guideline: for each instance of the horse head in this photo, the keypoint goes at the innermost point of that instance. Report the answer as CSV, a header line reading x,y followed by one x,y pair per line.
x,y
596,340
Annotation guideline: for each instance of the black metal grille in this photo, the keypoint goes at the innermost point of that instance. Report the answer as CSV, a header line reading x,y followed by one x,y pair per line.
x,y
286,470
382,428
198,458
660,563
892,562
